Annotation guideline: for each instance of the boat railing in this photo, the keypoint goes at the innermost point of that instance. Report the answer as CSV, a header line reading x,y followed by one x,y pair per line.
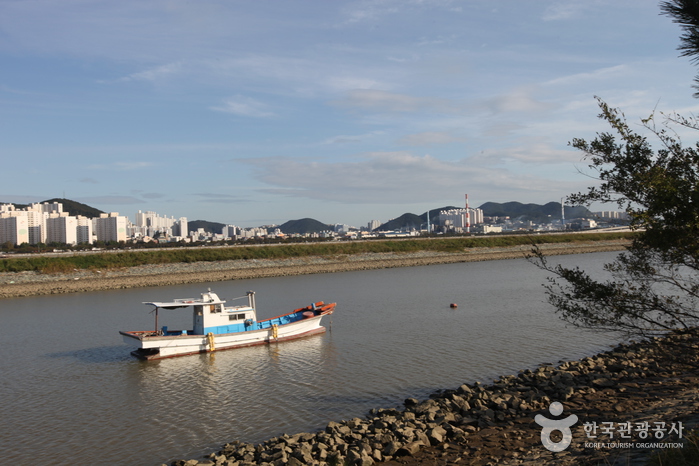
x,y
187,300
279,320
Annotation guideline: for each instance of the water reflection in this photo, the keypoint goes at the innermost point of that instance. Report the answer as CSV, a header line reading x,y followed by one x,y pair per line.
x,y
97,355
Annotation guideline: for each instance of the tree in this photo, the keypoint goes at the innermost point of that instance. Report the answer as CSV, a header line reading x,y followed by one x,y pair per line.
x,y
653,287
686,14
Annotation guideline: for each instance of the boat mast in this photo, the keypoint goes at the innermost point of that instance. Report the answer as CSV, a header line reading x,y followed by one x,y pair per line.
x,y
251,300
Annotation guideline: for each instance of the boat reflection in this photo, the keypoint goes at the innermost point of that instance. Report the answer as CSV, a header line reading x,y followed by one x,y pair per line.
x,y
225,388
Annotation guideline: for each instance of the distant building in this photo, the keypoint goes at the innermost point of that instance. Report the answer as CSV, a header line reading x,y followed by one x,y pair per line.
x,y
84,230
110,227
612,215
13,228
150,223
61,228
456,218
230,231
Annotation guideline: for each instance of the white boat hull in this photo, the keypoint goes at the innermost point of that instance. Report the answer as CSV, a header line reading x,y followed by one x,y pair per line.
x,y
151,346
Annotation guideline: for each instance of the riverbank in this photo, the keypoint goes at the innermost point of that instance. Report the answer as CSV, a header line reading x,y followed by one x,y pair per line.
x,y
19,284
628,401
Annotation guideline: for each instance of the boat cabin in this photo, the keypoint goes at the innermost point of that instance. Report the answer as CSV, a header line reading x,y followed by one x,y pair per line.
x,y
210,315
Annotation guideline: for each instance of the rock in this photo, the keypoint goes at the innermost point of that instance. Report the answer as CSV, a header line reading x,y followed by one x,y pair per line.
x,y
410,402
603,382
436,435
409,449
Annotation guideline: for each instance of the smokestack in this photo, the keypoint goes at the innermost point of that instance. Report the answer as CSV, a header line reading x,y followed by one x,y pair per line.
x,y
468,217
563,215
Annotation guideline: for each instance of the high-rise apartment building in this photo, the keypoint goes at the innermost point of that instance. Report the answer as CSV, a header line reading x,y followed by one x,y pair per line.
x,y
456,218
84,230
110,227
13,228
61,228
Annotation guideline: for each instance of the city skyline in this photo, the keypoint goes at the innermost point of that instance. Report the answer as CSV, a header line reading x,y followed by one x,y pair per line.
x,y
339,111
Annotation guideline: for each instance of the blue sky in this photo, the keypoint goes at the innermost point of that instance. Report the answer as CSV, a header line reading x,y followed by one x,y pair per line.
x,y
257,112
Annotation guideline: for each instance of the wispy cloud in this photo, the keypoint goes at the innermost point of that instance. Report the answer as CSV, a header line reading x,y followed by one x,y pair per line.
x,y
153,195
349,139
600,74
520,100
390,102
391,177
155,73
122,166
220,198
562,10
244,106
110,200
429,138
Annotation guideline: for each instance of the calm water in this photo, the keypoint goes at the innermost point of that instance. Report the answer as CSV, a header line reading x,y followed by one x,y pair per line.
x,y
70,392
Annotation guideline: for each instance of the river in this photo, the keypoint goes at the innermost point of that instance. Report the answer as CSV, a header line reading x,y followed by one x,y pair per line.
x,y
71,393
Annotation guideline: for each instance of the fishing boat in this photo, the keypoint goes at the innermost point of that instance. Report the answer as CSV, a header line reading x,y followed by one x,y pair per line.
x,y
217,327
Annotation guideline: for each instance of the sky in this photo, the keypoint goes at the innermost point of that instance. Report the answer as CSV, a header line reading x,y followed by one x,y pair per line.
x,y
257,112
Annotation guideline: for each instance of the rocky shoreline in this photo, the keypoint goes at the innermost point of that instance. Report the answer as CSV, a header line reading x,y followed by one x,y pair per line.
x,y
13,285
651,382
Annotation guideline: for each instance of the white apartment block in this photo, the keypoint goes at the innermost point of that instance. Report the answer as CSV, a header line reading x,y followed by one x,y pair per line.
x,y
373,225
611,214
150,223
230,231
110,227
13,228
84,230
253,232
61,228
46,208
456,218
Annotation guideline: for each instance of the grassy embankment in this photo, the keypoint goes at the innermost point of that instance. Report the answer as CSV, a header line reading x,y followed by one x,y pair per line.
x,y
69,263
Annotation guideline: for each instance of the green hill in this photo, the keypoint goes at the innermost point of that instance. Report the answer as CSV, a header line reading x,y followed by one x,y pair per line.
x,y
304,225
408,220
72,207
211,227
535,212
76,208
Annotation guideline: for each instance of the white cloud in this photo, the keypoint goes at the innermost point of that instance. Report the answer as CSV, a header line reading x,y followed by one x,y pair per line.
x,y
122,166
429,138
563,10
219,198
392,177
244,106
110,200
615,72
518,100
155,73
382,101
532,152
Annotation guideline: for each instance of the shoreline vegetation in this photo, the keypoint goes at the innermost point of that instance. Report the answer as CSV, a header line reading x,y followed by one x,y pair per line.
x,y
81,272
